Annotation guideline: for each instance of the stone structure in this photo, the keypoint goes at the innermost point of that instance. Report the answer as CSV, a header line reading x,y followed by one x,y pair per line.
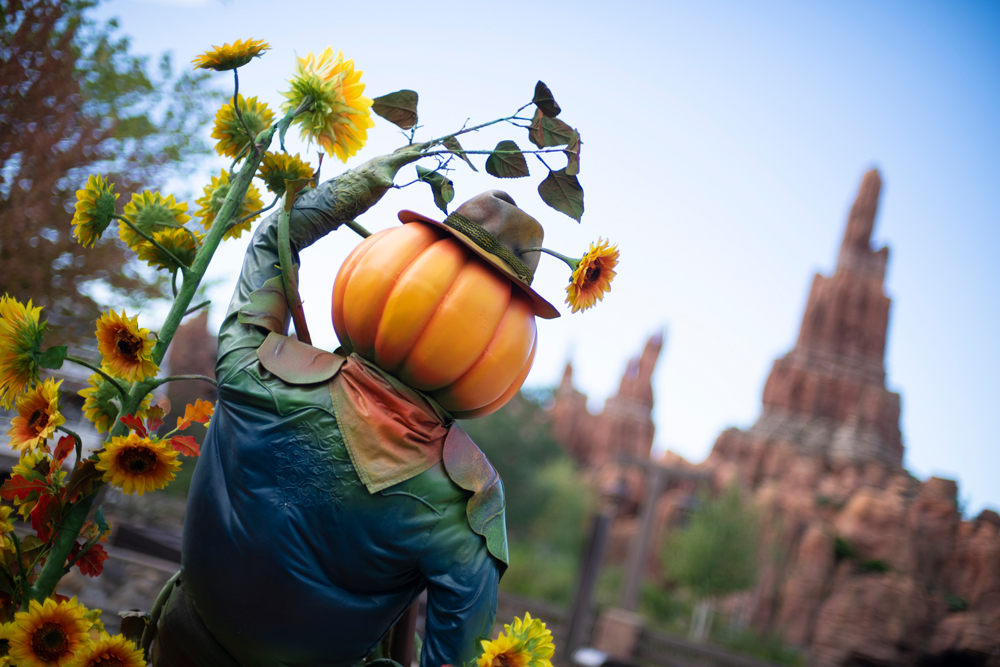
x,y
829,392
861,564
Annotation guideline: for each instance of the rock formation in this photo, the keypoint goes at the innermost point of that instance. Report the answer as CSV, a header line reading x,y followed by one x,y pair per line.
x,y
861,564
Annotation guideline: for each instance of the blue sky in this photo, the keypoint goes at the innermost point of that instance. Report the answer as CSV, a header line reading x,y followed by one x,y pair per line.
x,y
723,146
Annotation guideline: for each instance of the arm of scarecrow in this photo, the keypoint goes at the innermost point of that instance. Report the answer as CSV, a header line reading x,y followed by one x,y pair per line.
x,y
461,591
259,306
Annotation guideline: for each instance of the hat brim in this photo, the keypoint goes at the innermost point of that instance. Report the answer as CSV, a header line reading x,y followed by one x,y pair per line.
x,y
540,306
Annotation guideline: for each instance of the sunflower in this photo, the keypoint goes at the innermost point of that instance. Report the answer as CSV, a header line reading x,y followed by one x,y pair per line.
x,y
182,243
340,114
126,350
503,652
116,651
48,634
229,130
276,168
95,207
138,464
231,56
215,195
6,526
535,639
592,276
20,341
6,629
33,461
37,416
99,409
147,211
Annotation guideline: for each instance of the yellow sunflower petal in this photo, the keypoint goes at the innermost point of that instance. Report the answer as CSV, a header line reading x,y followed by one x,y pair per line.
x,y
20,337
137,465
49,634
95,206
592,277
126,350
37,416
230,132
151,212
231,56
108,651
97,405
340,115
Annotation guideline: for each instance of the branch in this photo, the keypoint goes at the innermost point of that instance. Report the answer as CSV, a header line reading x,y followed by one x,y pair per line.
x,y
357,229
248,216
172,378
198,307
155,243
97,369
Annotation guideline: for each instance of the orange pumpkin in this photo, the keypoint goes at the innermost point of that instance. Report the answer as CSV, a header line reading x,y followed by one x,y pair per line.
x,y
422,306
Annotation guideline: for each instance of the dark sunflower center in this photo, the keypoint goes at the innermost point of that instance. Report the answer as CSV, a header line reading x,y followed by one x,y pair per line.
x,y
137,460
591,275
127,344
109,661
49,642
4,648
38,420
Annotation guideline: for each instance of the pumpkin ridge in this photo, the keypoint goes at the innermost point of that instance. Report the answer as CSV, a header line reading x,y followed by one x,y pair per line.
x,y
515,387
444,297
343,278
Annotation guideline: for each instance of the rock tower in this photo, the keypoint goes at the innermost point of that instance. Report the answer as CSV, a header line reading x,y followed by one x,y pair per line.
x,y
828,394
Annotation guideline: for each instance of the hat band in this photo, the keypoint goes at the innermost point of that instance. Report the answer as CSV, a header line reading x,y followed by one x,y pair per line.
x,y
490,244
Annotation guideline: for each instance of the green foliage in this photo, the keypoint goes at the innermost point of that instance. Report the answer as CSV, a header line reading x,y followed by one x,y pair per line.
x,y
956,603
399,108
506,161
765,647
875,565
843,549
563,192
716,553
547,507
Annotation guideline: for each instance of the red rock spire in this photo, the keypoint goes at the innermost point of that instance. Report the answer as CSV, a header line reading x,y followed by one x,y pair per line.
x,y
836,373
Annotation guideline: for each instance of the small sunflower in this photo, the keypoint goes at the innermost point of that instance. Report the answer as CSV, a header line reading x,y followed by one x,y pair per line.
x,y
97,406
340,114
95,207
231,56
48,634
182,243
37,416
276,168
138,464
228,129
215,195
125,348
20,341
6,526
535,640
111,652
149,211
592,276
503,652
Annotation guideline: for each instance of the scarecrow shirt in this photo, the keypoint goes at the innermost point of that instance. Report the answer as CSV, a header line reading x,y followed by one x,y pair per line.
x,y
329,495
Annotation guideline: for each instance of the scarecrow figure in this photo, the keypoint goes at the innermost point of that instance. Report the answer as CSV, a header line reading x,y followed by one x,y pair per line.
x,y
334,488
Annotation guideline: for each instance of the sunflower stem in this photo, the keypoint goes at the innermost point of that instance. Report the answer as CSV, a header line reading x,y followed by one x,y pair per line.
x,y
288,278
68,531
156,244
248,216
174,378
198,307
149,632
573,263
77,440
21,574
173,282
357,228
239,112
97,369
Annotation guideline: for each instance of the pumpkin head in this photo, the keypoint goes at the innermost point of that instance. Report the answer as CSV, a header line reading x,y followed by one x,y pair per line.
x,y
421,305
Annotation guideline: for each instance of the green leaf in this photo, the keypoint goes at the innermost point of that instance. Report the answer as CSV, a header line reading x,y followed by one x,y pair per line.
x,y
100,521
441,186
53,357
573,155
562,192
544,101
451,143
545,132
507,161
399,108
